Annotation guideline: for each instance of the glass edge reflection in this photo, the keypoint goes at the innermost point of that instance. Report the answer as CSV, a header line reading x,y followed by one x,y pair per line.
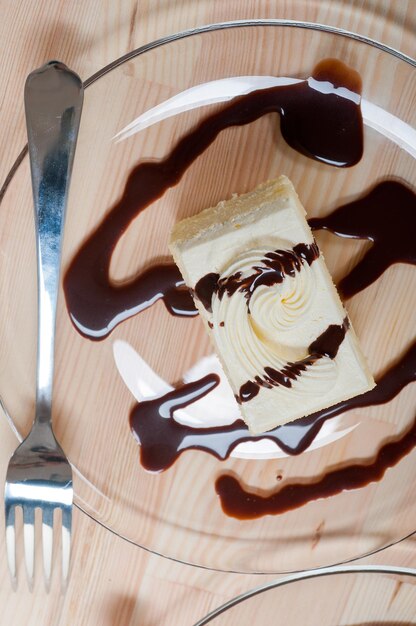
x,y
242,23
309,574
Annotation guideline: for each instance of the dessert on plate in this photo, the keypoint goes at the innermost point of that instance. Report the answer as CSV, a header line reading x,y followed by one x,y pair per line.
x,y
266,297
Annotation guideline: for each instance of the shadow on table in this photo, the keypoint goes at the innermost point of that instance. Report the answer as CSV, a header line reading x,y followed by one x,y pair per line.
x,y
127,610
120,610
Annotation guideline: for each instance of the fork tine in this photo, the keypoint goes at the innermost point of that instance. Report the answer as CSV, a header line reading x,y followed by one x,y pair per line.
x,y
66,543
47,543
29,542
11,541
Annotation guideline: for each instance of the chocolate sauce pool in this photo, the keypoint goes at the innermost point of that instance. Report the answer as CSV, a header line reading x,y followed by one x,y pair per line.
x,y
162,439
314,120
387,217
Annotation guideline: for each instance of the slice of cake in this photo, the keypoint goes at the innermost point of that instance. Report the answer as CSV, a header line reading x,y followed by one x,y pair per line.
x,y
269,304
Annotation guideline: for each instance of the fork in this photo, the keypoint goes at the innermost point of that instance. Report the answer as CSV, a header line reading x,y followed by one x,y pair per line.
x,y
39,474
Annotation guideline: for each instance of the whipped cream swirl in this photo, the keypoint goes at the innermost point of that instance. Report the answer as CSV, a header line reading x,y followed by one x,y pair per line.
x,y
266,316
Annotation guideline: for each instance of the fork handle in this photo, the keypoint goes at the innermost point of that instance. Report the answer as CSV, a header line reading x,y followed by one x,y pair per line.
x,y
53,103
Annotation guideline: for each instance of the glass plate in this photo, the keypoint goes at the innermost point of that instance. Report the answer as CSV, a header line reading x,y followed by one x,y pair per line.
x,y
348,596
177,513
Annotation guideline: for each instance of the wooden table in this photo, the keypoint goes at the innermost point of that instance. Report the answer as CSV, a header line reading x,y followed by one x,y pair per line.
x,y
114,583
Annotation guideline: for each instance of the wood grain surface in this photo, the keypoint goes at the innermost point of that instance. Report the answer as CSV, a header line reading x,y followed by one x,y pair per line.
x,y
113,582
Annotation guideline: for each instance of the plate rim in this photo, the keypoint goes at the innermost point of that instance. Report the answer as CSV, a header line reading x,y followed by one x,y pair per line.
x,y
177,36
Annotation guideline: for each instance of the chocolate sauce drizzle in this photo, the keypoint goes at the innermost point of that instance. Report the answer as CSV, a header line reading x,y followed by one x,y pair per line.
x,y
242,504
321,125
162,439
314,120
387,217
327,344
270,271
205,289
155,429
